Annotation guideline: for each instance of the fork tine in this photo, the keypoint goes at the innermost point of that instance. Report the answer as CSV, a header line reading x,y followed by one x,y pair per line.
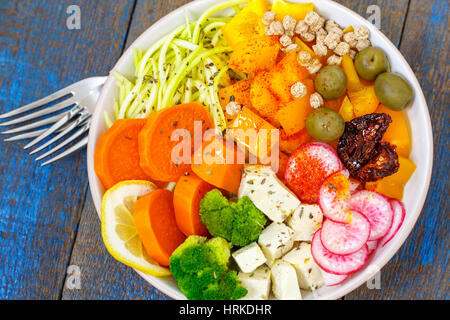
x,y
66,118
31,134
84,129
40,113
72,149
26,135
69,128
34,124
54,96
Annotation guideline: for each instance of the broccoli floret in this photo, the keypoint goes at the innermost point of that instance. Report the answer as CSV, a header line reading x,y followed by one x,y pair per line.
x,y
221,248
217,215
227,288
248,222
200,267
239,222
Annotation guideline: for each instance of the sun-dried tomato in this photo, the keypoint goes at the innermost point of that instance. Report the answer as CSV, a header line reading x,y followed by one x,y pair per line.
x,y
384,164
361,150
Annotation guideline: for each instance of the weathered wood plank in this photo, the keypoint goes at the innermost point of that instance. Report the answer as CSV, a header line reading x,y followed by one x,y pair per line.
x,y
420,269
41,207
392,14
116,280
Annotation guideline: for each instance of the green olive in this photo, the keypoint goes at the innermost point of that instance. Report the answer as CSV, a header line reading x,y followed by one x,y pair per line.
x,y
331,82
370,62
393,91
324,124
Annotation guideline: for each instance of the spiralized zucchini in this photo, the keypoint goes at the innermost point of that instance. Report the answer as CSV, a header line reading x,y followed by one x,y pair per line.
x,y
189,64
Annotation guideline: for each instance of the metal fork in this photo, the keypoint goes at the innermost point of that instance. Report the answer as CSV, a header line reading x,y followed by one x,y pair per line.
x,y
81,96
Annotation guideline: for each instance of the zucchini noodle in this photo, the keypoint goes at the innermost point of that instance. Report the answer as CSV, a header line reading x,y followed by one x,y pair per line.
x,y
189,64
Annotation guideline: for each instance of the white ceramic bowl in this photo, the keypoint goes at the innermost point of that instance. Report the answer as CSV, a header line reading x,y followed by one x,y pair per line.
x,y
422,142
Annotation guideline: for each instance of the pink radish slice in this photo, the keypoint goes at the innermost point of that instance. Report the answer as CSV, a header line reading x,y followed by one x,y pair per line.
x,y
308,167
346,173
331,279
335,263
334,197
376,208
399,216
354,185
372,245
345,238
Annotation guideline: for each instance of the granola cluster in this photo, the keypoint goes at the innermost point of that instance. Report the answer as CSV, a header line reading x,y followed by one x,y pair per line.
x,y
328,36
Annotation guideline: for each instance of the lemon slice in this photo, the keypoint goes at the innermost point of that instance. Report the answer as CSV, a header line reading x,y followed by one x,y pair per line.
x,y
118,230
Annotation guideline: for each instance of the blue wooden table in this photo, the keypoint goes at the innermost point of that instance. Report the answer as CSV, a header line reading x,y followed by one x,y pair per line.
x,y
49,230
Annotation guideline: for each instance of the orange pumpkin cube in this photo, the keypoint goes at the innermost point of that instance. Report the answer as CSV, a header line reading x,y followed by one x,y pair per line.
x,y
297,11
290,143
364,101
353,81
346,110
246,131
255,54
393,186
238,92
246,24
292,117
261,97
398,131
287,72
334,104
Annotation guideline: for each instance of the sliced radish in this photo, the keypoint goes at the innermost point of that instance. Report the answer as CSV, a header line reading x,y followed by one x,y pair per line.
x,y
345,238
334,197
346,173
354,185
376,208
331,279
308,167
335,263
399,216
372,245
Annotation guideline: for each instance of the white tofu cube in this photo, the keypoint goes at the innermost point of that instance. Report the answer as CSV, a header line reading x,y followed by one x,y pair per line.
x,y
257,283
305,221
284,282
308,272
249,257
267,192
276,240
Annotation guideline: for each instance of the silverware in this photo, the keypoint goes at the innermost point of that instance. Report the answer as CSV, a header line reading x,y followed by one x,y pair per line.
x,y
81,96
